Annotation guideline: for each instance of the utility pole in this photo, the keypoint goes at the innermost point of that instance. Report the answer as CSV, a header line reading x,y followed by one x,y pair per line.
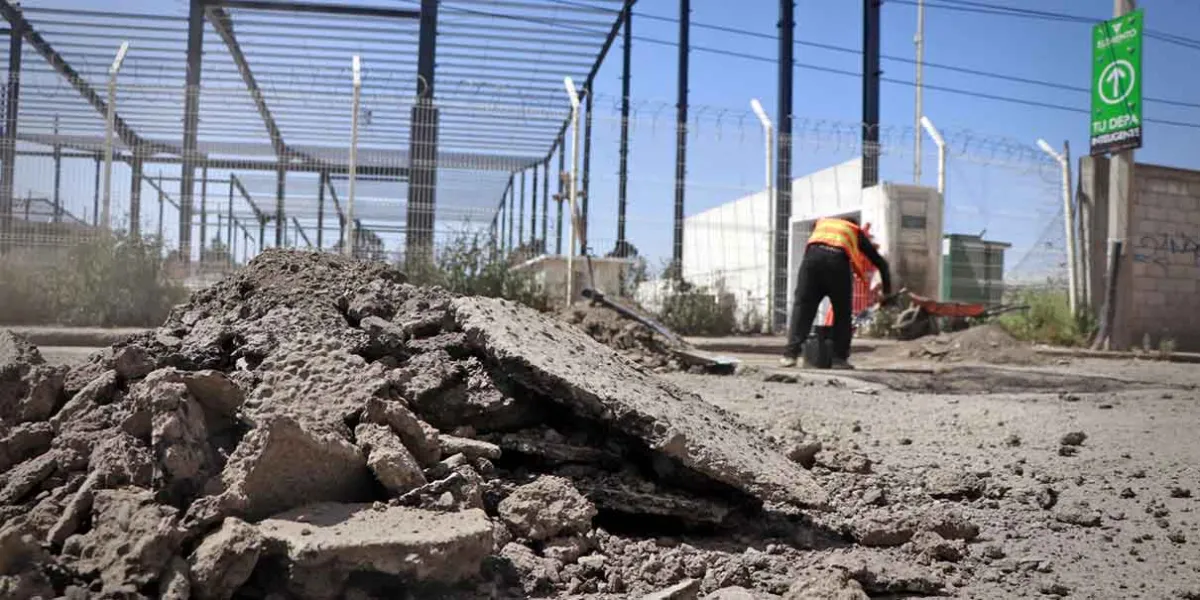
x,y
783,166
681,117
870,91
919,40
1120,197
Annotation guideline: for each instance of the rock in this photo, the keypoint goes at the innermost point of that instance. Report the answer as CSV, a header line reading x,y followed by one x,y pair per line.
x,y
1047,497
421,439
535,574
119,460
472,449
224,560
1068,450
846,462
214,391
880,575
450,393
388,459
592,381
953,485
736,592
322,544
1077,515
175,423
1180,492
546,508
567,550
804,453
133,362
949,523
1074,438
934,546
688,589
27,477
99,390
174,584
882,531
826,584
19,549
280,465
16,351
132,539
30,584
617,493
23,442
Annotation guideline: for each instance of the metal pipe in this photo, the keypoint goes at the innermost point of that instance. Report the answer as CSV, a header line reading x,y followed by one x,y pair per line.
x,y
783,166
623,168
533,212
681,117
110,123
96,194
587,169
562,174
280,214
160,208
136,174
203,210
510,211
191,124
940,142
11,110
423,141
57,217
229,232
572,187
521,214
919,41
545,205
321,209
356,67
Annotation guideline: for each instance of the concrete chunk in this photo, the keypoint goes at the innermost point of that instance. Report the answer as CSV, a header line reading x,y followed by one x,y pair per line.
x,y
388,459
323,543
546,508
591,380
224,560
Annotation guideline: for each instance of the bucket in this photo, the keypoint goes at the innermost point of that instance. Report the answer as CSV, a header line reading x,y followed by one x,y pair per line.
x,y
818,349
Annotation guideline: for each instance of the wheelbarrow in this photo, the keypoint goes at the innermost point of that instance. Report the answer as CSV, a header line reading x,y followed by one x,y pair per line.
x,y
922,315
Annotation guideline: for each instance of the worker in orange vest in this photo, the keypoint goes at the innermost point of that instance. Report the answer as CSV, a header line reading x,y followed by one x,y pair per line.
x,y
837,250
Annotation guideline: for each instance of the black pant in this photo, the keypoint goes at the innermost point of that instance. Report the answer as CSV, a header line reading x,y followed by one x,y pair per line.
x,y
824,272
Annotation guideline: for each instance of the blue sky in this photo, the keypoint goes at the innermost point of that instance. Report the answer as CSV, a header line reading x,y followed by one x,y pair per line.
x,y
1014,202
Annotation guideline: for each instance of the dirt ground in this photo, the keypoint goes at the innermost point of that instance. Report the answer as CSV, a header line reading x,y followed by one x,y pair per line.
x,y
1117,519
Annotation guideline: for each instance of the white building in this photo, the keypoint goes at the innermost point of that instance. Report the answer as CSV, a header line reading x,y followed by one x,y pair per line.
x,y
728,246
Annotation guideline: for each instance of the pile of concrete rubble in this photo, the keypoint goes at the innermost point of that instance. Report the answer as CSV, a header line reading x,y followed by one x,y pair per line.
x,y
636,341
316,428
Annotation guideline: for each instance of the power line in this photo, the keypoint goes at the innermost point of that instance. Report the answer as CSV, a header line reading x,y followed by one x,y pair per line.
x,y
1008,11
934,65
855,74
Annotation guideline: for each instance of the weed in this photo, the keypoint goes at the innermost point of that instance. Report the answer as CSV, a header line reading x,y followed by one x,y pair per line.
x,y
1048,319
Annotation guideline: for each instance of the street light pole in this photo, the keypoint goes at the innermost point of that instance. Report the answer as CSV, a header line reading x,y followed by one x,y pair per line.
x,y
769,140
1064,163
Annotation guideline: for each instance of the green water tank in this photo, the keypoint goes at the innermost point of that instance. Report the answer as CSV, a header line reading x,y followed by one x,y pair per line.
x,y
972,269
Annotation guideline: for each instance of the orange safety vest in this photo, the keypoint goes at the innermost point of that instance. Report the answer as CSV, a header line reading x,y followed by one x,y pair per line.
x,y
839,233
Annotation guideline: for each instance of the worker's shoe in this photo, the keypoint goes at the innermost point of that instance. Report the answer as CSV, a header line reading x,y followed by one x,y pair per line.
x,y
787,362
841,364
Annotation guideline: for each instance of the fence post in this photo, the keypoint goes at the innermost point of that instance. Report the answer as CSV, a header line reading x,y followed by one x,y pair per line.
x,y
571,191
109,125
940,142
768,136
348,247
1064,163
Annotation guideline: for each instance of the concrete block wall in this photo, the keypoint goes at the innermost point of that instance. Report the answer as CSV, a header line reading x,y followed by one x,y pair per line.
x,y
1165,257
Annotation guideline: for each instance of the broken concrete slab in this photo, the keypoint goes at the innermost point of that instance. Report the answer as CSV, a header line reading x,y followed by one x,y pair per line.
x,y
688,589
826,584
27,477
388,459
23,442
468,447
132,540
224,560
421,439
281,465
322,544
546,508
570,368
631,497
534,443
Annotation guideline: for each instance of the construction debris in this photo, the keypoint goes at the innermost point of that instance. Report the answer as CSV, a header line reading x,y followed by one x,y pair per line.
x,y
314,426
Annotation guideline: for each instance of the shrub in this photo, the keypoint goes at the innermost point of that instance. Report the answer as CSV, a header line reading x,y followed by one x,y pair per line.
x,y
106,281
692,310
1048,319
470,264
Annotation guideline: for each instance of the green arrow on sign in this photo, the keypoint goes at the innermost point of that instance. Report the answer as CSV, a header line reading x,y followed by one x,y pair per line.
x,y
1116,117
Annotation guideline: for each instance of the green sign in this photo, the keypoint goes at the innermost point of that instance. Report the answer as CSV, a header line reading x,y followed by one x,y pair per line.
x,y
1116,122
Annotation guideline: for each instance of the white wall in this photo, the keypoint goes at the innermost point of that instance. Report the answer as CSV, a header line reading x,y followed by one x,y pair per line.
x,y
732,242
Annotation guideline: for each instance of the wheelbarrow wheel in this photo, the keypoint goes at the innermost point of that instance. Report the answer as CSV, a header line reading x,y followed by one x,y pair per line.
x,y
914,322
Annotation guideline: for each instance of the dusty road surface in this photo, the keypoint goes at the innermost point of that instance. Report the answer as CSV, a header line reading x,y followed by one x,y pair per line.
x,y
314,428
1089,491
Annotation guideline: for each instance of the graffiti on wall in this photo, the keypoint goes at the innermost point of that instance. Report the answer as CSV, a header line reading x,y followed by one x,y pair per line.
x,y
1159,248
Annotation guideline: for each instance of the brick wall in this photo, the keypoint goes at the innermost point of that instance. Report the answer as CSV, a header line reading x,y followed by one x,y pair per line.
x,y
1164,225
